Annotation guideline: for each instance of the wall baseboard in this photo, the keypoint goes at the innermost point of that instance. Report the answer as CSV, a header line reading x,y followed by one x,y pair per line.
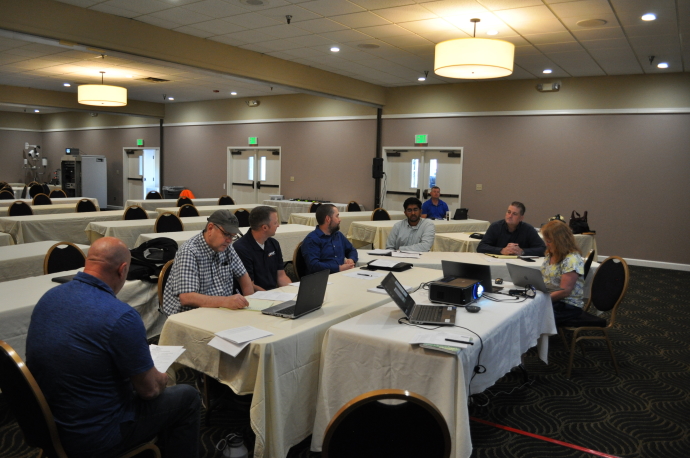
x,y
655,264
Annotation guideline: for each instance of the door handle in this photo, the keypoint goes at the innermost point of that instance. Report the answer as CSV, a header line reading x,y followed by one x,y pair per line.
x,y
258,185
417,193
426,194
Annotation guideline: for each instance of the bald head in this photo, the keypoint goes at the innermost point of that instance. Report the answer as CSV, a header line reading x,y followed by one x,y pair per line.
x,y
108,260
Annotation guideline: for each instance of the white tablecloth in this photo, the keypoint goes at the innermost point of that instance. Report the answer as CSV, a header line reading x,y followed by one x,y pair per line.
x,y
6,239
18,188
67,227
56,201
288,207
281,370
48,209
346,218
20,298
128,231
288,235
152,204
462,242
26,260
206,210
371,352
362,233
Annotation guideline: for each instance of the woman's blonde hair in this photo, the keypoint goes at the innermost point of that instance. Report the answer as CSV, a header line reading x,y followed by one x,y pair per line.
x,y
562,241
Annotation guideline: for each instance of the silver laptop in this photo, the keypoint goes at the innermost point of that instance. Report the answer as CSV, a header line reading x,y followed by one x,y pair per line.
x,y
453,270
526,276
312,290
439,315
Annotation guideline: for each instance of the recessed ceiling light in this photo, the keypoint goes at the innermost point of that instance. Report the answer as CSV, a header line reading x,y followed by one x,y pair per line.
x,y
492,32
662,65
233,93
589,23
421,78
335,49
66,84
171,98
648,17
37,111
547,70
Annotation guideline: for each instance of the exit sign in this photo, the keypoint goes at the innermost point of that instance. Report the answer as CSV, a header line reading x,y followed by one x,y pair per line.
x,y
422,139
253,141
140,142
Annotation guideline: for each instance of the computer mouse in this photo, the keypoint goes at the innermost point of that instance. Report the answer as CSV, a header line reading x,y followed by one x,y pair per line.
x,y
499,281
472,308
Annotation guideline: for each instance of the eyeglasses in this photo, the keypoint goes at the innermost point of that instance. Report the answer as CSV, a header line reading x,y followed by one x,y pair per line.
x,y
231,237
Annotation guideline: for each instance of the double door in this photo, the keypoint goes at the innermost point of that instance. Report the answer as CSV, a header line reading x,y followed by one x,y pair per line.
x,y
253,174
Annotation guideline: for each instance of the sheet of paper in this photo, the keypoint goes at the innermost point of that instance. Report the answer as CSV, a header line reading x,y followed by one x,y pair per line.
x,y
403,254
383,263
243,334
439,338
383,291
273,295
227,347
380,252
364,275
164,356
258,305
297,283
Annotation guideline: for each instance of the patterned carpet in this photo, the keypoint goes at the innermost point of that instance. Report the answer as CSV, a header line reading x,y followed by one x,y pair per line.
x,y
641,414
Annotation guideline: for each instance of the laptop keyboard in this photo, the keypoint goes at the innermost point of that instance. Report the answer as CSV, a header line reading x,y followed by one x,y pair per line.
x,y
287,310
429,313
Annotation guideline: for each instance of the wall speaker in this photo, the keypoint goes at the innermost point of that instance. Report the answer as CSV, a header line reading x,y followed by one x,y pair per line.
x,y
377,168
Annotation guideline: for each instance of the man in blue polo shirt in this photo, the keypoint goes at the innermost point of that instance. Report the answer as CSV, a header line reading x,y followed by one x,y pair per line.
x,y
326,247
260,252
435,208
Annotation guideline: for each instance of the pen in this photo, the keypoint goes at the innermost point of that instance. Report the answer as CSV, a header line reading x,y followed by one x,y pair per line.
x,y
363,275
460,341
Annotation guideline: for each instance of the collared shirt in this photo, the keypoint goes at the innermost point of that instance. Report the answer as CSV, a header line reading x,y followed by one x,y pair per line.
x,y
412,238
199,269
83,345
498,237
435,211
262,263
323,251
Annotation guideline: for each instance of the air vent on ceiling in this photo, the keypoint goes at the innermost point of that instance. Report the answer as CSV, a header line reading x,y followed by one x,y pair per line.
x,y
151,79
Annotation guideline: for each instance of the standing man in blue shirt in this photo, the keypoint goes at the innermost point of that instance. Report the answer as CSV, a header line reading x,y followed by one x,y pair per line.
x,y
326,247
435,208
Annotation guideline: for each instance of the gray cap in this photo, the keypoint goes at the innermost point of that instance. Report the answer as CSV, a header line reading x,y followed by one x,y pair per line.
x,y
226,220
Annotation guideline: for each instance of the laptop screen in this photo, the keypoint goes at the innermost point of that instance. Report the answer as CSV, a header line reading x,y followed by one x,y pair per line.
x,y
396,291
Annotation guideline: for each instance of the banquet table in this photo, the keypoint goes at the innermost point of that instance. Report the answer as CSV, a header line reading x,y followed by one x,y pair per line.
x,y
26,260
288,235
462,242
282,370
362,233
56,201
129,230
346,218
288,207
372,352
20,298
6,239
48,209
67,227
206,210
152,204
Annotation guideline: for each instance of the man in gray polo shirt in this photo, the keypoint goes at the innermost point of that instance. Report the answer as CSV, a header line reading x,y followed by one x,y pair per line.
x,y
414,233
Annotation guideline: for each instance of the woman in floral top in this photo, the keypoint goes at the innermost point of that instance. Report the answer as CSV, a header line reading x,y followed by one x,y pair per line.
x,y
563,267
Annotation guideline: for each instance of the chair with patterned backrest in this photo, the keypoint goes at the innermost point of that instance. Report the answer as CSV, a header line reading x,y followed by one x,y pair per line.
x,y
153,195
35,189
63,256
162,280
168,222
41,199
377,424
184,201
57,194
6,194
20,208
314,206
353,207
242,216
609,286
187,210
298,262
134,212
30,408
226,200
86,205
380,214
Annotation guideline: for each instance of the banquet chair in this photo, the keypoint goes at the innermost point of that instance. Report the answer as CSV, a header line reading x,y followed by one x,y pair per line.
x,y
134,212
24,192
168,222
63,256
588,262
6,194
298,262
314,206
35,189
187,210
226,200
242,216
41,199
380,214
32,183
353,207
57,193
46,188
20,208
153,195
85,205
162,280
184,201
609,286
32,412
378,423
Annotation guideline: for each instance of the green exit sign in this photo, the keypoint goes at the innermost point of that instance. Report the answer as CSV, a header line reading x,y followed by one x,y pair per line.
x,y
253,141
421,139
140,142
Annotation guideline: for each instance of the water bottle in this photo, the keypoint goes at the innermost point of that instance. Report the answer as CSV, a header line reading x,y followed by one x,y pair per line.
x,y
448,216
233,446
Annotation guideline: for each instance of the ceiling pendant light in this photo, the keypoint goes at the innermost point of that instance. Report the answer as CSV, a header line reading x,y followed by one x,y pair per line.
x,y
102,95
474,58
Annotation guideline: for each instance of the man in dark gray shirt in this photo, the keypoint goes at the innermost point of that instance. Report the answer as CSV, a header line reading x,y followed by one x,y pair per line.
x,y
512,236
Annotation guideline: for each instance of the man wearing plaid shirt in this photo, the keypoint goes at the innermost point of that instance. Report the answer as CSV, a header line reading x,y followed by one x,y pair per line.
x,y
205,268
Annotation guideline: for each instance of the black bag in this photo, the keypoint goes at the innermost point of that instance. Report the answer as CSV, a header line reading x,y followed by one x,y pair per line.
x,y
578,224
460,214
149,258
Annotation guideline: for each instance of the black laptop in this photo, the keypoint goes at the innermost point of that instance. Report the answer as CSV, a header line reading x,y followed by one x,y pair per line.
x,y
312,290
439,315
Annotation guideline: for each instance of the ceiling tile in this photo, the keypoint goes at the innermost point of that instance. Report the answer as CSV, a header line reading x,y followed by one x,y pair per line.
x,y
344,36
447,8
382,31
229,40
377,4
217,27
284,31
189,30
549,38
606,44
407,41
496,5
320,25
216,8
278,45
254,20
571,46
359,20
606,33
577,63
406,13
594,9
138,6
298,14
304,53
531,20
310,41
181,16
81,3
331,7
249,36
158,22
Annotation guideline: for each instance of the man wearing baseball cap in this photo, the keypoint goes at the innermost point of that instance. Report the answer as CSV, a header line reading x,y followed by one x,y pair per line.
x,y
207,271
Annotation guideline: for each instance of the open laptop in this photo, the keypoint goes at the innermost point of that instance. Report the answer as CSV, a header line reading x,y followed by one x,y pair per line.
x,y
525,276
453,270
312,289
417,314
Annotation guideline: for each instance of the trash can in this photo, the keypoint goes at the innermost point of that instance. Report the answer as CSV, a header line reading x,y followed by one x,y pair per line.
x,y
172,192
